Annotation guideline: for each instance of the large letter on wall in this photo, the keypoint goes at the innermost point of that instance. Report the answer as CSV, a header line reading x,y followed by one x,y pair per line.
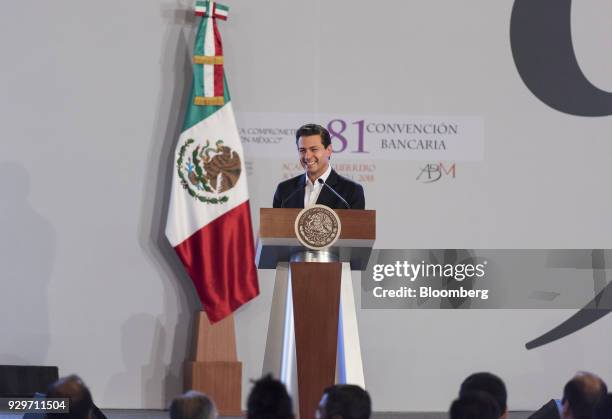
x,y
541,40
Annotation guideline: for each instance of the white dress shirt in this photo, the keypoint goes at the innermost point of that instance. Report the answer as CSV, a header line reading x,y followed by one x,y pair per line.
x,y
314,189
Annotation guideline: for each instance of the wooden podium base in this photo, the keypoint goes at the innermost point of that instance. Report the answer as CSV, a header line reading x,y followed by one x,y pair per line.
x,y
216,370
316,299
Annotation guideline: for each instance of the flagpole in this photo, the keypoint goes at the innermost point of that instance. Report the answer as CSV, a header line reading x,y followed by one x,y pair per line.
x,y
214,368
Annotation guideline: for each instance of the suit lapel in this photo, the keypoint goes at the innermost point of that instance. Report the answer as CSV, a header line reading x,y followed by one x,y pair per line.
x,y
297,200
327,197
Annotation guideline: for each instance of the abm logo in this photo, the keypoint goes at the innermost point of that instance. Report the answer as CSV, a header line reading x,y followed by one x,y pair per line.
x,y
433,172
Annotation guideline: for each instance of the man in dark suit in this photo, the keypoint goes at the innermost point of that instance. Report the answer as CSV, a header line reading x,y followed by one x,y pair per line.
x,y
318,184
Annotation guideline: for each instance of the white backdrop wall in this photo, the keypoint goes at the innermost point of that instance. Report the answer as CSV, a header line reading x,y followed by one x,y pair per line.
x,y
92,99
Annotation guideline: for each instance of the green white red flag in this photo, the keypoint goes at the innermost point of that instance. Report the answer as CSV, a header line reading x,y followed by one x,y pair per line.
x,y
209,221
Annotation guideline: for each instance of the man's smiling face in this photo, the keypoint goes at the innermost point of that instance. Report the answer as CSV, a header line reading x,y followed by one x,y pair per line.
x,y
314,157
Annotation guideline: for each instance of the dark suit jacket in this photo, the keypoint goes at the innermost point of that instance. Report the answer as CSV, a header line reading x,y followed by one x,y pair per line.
x,y
548,411
346,188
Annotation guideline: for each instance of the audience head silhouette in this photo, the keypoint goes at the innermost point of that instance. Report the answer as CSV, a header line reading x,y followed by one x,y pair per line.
x,y
474,405
269,400
193,405
72,388
344,401
581,394
490,384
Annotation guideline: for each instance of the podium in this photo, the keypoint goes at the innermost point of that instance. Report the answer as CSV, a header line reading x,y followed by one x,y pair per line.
x,y
313,340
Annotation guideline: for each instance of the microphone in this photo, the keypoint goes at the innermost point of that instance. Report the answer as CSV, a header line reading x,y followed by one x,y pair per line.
x,y
292,193
322,182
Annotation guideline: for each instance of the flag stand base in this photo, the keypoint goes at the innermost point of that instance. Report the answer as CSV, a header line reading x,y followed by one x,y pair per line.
x,y
216,370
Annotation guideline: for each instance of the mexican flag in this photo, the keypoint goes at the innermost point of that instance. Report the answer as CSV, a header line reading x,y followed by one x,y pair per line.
x,y
209,221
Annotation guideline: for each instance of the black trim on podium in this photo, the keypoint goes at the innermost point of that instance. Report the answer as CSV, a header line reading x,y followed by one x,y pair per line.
x,y
25,380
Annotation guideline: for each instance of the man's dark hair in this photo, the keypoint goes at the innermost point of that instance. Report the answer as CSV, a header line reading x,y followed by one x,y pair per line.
x,y
269,400
583,393
488,383
474,405
347,401
313,129
604,408
72,388
192,405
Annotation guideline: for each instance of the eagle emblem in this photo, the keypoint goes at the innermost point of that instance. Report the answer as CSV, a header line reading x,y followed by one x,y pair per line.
x,y
317,227
206,171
